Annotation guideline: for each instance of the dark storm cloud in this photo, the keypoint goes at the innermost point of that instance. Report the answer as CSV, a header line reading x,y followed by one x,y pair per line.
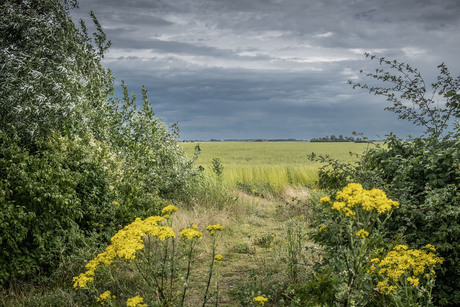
x,y
272,68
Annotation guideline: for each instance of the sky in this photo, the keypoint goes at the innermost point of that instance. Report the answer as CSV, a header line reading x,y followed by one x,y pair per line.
x,y
226,69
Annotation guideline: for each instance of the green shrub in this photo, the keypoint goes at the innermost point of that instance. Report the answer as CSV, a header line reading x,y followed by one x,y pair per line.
x,y
423,175
74,161
52,200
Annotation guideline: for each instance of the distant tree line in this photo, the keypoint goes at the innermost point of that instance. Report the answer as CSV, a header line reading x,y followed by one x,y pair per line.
x,y
340,138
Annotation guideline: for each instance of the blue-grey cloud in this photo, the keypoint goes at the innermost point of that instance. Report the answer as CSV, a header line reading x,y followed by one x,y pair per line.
x,y
272,68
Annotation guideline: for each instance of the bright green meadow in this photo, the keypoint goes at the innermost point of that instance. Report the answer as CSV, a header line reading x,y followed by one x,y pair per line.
x,y
273,164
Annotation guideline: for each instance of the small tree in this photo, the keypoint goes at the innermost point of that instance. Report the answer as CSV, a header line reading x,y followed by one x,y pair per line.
x,y
411,100
51,77
424,174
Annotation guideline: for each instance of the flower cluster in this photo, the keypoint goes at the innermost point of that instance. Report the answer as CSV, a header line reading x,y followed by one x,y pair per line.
x,y
124,244
190,233
402,264
355,196
168,210
362,233
107,295
219,258
213,228
260,300
135,302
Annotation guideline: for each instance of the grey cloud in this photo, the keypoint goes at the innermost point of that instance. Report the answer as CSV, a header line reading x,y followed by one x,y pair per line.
x,y
260,68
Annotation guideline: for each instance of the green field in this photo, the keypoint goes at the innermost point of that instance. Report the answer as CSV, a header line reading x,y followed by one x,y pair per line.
x,y
276,164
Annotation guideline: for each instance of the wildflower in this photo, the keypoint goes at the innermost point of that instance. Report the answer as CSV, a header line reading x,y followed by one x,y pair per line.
x,y
338,205
325,200
104,297
169,209
430,247
219,258
403,261
348,212
413,280
322,227
260,300
124,244
115,203
354,195
135,302
212,229
384,288
190,233
362,233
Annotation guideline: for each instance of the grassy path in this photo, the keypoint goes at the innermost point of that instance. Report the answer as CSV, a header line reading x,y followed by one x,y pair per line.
x,y
250,225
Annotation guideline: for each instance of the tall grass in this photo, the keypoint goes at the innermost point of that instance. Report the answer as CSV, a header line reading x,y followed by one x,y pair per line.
x,y
274,165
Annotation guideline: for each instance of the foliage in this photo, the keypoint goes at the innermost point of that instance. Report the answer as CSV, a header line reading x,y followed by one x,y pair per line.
x,y
50,201
75,161
51,77
423,174
407,92
146,255
352,230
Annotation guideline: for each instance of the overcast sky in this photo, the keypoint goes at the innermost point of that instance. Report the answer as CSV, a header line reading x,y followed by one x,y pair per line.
x,y
272,68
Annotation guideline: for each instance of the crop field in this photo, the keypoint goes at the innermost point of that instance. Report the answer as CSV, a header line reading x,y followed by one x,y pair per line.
x,y
272,164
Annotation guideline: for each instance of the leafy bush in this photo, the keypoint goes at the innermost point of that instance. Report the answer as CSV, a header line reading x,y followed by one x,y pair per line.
x,y
48,202
423,175
75,162
368,264
51,77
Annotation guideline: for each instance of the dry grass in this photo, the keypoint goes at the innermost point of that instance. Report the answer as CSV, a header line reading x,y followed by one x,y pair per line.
x,y
245,222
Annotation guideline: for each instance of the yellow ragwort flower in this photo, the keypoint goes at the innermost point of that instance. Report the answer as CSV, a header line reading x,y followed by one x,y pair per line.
x,y
107,295
190,233
362,233
124,244
219,258
325,200
413,280
213,228
135,302
403,261
260,300
169,209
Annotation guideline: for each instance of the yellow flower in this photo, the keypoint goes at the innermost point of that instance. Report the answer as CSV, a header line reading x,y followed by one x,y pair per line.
x,y
430,247
135,302
169,209
322,227
115,203
362,233
212,229
348,212
219,258
325,200
124,244
354,195
413,280
104,297
338,205
403,261
260,300
190,233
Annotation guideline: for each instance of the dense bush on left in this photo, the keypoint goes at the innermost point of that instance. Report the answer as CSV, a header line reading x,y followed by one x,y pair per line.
x,y
75,161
